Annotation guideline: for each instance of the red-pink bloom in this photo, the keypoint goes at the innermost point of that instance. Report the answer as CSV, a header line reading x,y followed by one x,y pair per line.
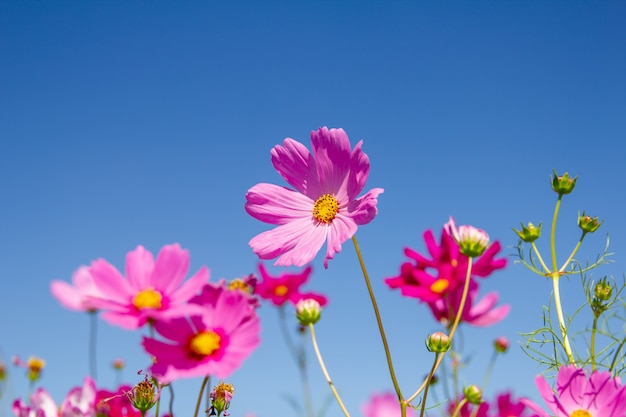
x,y
285,287
581,395
507,407
153,290
80,401
41,405
469,410
384,405
214,342
115,403
324,206
80,295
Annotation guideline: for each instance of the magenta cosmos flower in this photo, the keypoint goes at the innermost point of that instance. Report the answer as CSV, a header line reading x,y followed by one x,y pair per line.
x,y
285,287
580,395
41,405
153,290
81,296
384,405
324,206
115,403
214,342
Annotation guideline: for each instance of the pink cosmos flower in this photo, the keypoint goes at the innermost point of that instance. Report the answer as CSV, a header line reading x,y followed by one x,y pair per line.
x,y
153,290
581,395
324,206
115,403
469,410
384,405
80,295
214,342
285,287
41,405
80,401
507,407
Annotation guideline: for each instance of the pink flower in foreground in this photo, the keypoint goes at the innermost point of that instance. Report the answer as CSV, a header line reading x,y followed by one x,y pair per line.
x,y
78,296
41,405
384,405
115,403
469,410
579,395
212,343
324,206
153,290
80,401
285,287
507,407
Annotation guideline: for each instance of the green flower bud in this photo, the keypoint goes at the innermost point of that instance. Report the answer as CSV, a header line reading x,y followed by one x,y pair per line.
x,y
603,290
438,342
588,224
563,184
501,344
529,233
142,396
308,311
473,394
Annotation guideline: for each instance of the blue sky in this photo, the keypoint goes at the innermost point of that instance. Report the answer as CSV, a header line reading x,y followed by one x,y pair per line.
x,y
127,123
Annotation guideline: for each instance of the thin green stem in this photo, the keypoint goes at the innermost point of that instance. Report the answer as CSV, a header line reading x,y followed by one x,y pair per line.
x,y
489,370
326,375
592,348
619,348
553,232
545,267
432,372
204,382
93,338
171,388
378,321
458,407
455,325
571,256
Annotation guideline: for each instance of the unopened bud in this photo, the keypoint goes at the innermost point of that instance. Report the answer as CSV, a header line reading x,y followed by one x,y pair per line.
x,y
529,233
308,311
473,394
588,224
438,342
563,184
603,290
472,241
501,344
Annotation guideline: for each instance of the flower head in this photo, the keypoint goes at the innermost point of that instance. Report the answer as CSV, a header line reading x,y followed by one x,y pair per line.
x,y
142,396
285,287
472,241
438,342
81,296
214,342
41,405
563,184
384,405
221,396
34,366
153,290
581,395
324,206
529,233
588,224
308,311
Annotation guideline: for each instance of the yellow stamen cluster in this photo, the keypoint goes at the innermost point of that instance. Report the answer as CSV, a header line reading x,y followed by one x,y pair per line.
x,y
581,413
281,290
148,298
204,343
439,286
325,208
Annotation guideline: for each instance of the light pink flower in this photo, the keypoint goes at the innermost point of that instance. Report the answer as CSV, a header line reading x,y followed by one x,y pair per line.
x,y
285,287
153,290
80,295
581,395
41,405
324,206
80,401
471,241
212,343
384,405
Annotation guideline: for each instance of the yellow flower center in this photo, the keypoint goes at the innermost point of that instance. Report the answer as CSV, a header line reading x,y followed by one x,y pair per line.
x,y
238,284
580,413
325,208
281,290
35,364
148,298
439,286
204,343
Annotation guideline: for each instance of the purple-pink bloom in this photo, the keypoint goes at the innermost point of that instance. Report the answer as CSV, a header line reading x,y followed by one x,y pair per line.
x,y
581,395
285,287
384,405
80,295
152,291
507,407
324,206
80,401
41,405
214,342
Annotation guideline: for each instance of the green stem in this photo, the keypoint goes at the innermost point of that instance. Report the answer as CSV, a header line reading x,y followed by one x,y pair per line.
x,y
619,348
555,275
458,407
432,372
455,325
571,256
326,375
489,370
545,268
204,382
594,329
379,322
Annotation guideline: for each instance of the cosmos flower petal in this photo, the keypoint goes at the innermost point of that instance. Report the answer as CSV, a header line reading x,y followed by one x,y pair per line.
x,y
170,268
110,282
139,266
192,286
331,149
359,171
277,205
68,296
296,165
124,319
490,317
306,248
363,210
341,229
534,407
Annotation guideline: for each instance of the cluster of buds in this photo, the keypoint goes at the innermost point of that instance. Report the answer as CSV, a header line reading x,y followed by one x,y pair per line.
x,y
220,399
308,311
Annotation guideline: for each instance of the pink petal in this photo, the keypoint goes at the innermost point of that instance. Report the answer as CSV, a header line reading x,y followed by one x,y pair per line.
x,y
110,282
177,329
296,165
191,287
67,295
331,149
571,384
41,400
341,229
534,407
124,320
139,266
492,317
170,269
545,390
359,171
363,210
277,205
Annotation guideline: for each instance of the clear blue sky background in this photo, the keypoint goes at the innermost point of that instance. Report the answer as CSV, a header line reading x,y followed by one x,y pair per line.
x,y
126,123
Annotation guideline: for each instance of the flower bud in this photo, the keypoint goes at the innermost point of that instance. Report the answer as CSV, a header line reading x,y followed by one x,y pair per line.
x,y
472,241
603,290
473,394
142,396
118,364
34,366
438,342
308,311
563,184
588,224
529,233
220,398
501,344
